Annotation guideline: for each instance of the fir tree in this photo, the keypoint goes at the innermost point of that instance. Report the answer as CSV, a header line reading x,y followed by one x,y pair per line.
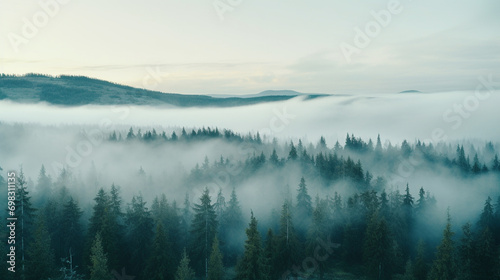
x,y
203,231
288,244
303,210
232,230
215,266
466,253
184,271
71,230
99,261
40,265
160,263
271,255
377,244
444,266
252,264
420,267
140,230
292,155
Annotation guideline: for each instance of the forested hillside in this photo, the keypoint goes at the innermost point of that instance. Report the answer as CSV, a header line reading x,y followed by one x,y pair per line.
x,y
262,209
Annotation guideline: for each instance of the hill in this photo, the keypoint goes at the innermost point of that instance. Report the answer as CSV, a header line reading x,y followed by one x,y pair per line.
x,y
79,90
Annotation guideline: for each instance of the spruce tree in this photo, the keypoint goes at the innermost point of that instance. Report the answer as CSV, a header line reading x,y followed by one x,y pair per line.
x,y
140,230
466,254
215,266
25,214
292,155
444,266
420,267
485,255
303,210
289,248
252,264
184,271
99,261
40,265
271,255
71,230
377,248
160,263
232,230
203,231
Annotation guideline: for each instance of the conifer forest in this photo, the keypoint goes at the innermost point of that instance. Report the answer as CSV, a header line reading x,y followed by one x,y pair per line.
x,y
249,140
254,208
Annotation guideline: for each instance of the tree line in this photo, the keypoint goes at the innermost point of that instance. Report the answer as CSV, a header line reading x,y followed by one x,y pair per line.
x,y
386,235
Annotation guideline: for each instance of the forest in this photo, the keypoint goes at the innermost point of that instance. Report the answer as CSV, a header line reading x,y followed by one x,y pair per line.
x,y
210,203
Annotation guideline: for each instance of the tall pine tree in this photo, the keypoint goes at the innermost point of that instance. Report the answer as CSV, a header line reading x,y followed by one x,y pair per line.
x,y
252,265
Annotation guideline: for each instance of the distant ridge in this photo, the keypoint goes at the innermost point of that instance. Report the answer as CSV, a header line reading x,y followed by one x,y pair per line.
x,y
80,90
410,91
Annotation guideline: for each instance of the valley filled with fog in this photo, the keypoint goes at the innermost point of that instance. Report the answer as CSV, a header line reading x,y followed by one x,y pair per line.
x,y
339,168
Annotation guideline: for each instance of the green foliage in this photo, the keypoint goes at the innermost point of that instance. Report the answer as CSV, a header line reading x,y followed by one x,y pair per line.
x,y
215,266
252,265
99,261
40,264
184,271
160,264
140,229
203,231
377,248
444,266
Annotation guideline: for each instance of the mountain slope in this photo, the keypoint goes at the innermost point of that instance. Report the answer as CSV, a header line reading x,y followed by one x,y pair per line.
x,y
79,90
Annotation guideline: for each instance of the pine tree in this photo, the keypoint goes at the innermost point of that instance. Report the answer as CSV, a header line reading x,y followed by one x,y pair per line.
x,y
71,230
274,158
487,219
444,267
316,233
292,155
420,267
476,167
485,255
232,230
377,245
466,253
25,214
185,222
203,231
252,264
421,202
215,266
271,255
99,261
303,210
184,272
160,263
40,265
288,245
496,164
44,186
140,230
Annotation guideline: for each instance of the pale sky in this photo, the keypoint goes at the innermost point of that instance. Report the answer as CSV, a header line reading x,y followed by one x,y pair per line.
x,y
189,47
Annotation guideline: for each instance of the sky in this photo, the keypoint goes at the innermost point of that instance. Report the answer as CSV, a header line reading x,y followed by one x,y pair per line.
x,y
244,47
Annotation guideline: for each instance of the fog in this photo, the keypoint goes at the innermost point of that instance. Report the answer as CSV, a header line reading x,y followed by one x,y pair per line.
x,y
430,116
36,134
76,139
